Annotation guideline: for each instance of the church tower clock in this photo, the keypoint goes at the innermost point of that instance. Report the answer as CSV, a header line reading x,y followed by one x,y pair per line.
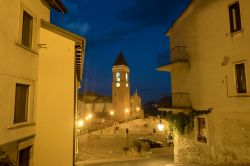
x,y
121,89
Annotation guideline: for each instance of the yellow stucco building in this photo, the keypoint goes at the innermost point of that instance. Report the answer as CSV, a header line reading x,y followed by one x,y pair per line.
x,y
40,73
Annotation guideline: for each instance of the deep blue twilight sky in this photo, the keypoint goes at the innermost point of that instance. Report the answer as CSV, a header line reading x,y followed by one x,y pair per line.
x,y
135,27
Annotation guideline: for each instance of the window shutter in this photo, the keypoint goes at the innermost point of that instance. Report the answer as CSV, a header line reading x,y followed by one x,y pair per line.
x,y
231,18
27,29
238,20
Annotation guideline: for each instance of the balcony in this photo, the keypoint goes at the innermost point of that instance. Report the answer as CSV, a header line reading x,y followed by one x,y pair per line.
x,y
179,102
178,58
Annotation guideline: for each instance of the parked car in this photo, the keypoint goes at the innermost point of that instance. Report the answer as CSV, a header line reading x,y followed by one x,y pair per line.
x,y
152,143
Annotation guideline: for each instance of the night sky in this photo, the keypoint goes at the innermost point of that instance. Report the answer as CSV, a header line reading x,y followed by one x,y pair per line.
x,y
135,27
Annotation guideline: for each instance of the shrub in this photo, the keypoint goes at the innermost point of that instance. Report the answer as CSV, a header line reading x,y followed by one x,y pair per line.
x,y
4,160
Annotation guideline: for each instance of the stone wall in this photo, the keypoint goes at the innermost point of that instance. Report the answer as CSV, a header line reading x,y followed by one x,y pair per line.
x,y
187,151
235,142
228,142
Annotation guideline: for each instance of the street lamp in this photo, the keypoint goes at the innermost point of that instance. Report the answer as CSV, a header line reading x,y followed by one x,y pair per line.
x,y
80,123
90,116
160,127
111,113
126,114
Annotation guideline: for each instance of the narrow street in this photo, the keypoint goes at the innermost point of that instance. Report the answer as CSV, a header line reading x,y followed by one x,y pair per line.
x,y
157,160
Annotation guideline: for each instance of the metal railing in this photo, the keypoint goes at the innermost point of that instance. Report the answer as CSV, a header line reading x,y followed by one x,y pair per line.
x,y
177,53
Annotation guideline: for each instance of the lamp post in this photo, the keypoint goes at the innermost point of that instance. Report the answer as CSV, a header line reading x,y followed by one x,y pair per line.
x,y
80,123
126,114
111,113
160,126
88,117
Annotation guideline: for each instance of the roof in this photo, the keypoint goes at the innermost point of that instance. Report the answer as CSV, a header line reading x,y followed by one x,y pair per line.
x,y
166,33
120,60
62,32
92,97
57,5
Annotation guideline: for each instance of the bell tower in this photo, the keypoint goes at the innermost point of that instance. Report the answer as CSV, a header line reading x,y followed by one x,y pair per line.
x,y
121,89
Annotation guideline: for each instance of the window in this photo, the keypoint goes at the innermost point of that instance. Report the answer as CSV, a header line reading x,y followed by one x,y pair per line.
x,y
126,76
24,156
21,103
27,30
240,76
202,131
126,84
234,17
117,84
118,76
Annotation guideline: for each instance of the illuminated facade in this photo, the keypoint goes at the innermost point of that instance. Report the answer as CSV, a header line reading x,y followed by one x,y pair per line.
x,y
121,106
135,106
121,89
209,65
57,92
37,106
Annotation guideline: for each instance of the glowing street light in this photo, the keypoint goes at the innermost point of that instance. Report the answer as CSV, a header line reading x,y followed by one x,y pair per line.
x,y
80,123
111,113
126,110
89,116
160,127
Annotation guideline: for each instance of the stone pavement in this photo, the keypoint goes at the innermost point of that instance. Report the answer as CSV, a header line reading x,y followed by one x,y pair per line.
x,y
100,147
107,145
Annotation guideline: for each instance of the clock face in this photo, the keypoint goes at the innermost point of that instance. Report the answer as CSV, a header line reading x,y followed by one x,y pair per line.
x,y
117,84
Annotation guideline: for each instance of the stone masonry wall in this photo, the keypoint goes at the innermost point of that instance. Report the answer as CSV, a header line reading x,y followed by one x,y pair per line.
x,y
228,142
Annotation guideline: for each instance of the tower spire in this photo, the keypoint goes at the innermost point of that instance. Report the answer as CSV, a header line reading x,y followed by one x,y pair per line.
x,y
120,60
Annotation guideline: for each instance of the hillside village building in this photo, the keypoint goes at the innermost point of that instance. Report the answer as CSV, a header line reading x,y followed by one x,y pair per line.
x,y
91,102
38,95
209,65
121,106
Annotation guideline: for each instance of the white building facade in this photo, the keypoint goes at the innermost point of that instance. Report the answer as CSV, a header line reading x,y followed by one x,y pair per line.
x,y
209,65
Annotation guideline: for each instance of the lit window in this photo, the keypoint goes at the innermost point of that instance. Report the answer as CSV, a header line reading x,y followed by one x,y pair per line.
x,y
117,84
202,130
126,84
21,103
240,76
27,30
126,76
234,17
118,75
